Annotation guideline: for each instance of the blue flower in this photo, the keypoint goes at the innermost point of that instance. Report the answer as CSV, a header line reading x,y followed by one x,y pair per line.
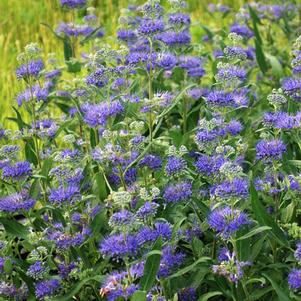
x,y
209,165
47,288
119,245
236,188
166,61
16,172
64,194
175,166
178,192
152,161
32,68
270,149
16,202
292,87
226,221
73,3
294,279
150,27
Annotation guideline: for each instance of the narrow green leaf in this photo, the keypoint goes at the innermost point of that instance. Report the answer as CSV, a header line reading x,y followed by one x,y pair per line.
x,y
261,60
254,232
265,219
14,228
77,287
209,295
275,64
151,267
139,296
279,290
189,268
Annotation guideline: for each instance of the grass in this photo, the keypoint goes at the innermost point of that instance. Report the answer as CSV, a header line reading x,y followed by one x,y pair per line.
x,y
20,24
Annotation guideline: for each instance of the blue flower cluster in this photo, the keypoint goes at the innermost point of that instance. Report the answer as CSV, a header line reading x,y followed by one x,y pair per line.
x,y
157,167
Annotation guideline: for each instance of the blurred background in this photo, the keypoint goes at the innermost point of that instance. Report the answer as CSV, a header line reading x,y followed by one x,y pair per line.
x,y
20,24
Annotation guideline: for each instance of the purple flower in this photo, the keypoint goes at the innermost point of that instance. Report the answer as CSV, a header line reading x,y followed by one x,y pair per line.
x,y
121,218
97,114
35,93
179,19
231,72
187,294
16,202
227,221
126,35
32,68
170,261
292,87
150,27
178,192
242,30
282,120
175,165
97,78
16,172
236,188
64,240
270,149
147,234
175,39
221,98
297,253
119,245
47,288
230,267
149,209
166,61
36,270
64,194
294,279
152,161
209,165
73,3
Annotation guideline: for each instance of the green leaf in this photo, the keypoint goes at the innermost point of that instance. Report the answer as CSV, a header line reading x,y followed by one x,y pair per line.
x,y
255,20
151,267
30,152
68,51
275,64
261,60
189,268
14,228
207,296
256,247
139,296
265,219
254,232
77,287
296,163
279,291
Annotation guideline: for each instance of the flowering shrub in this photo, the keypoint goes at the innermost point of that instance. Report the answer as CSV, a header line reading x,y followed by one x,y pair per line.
x,y
164,166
